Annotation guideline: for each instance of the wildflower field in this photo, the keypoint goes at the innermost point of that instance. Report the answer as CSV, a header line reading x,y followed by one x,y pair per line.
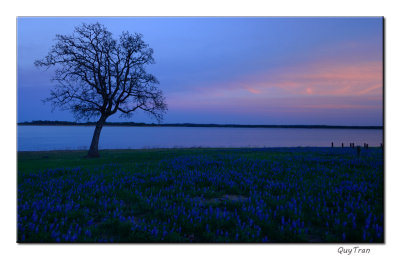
x,y
202,195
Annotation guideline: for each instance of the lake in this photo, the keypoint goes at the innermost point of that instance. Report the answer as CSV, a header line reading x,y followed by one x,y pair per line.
x,y
35,138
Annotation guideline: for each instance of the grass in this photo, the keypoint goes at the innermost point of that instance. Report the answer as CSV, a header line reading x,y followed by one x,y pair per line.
x,y
202,195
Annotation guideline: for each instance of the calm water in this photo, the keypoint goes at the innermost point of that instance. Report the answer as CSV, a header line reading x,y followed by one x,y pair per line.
x,y
72,137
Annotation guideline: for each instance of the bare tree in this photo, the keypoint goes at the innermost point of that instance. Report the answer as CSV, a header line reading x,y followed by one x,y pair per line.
x,y
97,76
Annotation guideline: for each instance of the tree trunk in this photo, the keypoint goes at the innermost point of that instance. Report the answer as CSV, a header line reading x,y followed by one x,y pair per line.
x,y
94,146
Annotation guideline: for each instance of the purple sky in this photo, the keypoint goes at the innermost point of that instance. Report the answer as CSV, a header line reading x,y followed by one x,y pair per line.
x,y
234,70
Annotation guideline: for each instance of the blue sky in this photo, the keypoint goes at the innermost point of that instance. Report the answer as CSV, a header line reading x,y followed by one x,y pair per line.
x,y
234,70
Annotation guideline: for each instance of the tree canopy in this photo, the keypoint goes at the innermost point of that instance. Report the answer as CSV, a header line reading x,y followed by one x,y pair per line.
x,y
98,75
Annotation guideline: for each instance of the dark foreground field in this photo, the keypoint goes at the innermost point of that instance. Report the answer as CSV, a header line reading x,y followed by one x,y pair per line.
x,y
202,195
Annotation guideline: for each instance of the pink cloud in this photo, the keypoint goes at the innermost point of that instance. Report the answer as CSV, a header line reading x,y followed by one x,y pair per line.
x,y
253,91
324,78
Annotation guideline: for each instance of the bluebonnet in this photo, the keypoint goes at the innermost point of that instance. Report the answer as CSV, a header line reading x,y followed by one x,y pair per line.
x,y
227,195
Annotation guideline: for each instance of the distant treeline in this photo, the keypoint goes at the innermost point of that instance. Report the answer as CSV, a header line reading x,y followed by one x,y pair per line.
x,y
133,124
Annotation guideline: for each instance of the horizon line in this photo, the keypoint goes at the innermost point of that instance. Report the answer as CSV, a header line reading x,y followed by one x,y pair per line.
x,y
131,123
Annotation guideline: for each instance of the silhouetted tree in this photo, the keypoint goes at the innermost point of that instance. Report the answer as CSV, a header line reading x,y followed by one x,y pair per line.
x,y
98,76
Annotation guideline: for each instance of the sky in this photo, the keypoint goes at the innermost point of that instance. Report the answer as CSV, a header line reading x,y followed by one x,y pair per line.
x,y
233,70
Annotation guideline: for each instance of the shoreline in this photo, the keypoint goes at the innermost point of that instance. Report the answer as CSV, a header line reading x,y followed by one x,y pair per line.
x,y
191,148
205,126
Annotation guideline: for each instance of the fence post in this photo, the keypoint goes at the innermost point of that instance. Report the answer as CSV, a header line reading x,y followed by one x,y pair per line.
x,y
358,151
332,144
